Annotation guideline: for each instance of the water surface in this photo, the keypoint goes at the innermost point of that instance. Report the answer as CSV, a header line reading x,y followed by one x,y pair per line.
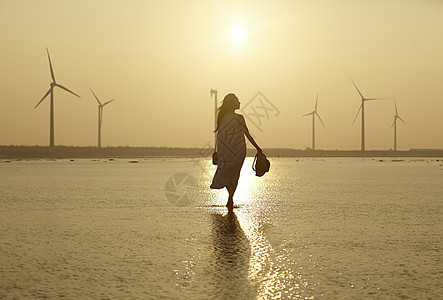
x,y
311,228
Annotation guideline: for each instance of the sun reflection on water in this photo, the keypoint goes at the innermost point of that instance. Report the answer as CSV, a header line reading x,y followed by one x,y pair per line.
x,y
271,270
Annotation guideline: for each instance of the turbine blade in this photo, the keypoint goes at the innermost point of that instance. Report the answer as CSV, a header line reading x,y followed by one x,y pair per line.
x,y
108,102
316,102
308,114
99,103
50,66
320,119
377,99
393,123
361,95
64,88
47,93
357,113
401,119
395,103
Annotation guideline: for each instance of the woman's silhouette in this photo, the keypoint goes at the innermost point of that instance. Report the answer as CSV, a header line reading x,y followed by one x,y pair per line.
x,y
231,147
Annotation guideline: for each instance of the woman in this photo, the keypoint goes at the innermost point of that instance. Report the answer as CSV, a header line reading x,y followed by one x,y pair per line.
x,y
231,147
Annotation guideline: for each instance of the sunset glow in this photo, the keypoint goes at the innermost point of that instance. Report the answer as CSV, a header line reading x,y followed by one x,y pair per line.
x,y
238,34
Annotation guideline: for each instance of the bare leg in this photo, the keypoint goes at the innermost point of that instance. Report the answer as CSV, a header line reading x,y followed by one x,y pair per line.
x,y
231,187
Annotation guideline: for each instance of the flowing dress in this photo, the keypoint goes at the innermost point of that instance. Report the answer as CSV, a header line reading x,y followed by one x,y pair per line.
x,y
231,151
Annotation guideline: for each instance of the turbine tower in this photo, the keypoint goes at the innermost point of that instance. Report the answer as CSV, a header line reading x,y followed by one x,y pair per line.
x,y
396,116
362,108
100,117
214,92
314,113
51,92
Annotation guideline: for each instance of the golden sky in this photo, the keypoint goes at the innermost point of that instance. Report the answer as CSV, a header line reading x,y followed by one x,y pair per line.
x,y
159,60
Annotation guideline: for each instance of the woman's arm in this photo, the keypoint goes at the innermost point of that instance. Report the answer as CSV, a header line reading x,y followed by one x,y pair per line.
x,y
247,134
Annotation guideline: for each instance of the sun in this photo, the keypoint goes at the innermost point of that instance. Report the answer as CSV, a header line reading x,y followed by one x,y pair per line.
x,y
237,34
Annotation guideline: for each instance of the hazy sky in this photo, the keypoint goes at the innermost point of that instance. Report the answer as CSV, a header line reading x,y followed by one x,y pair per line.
x,y
160,59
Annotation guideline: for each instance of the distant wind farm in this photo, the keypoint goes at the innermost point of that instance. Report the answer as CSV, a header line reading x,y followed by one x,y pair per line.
x,y
51,116
213,94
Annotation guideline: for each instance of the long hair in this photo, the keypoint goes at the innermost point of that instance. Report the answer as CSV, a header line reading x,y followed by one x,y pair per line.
x,y
228,106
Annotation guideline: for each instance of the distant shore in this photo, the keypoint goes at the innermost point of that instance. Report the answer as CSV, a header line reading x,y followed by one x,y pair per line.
x,y
35,152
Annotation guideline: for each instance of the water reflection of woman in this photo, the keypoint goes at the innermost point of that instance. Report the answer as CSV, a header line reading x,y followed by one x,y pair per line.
x,y
231,251
231,147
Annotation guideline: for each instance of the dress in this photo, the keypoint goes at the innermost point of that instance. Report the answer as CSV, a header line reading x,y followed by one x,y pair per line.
x,y
231,151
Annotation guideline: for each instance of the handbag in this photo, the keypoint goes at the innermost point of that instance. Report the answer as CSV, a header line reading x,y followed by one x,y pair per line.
x,y
260,164
214,158
214,155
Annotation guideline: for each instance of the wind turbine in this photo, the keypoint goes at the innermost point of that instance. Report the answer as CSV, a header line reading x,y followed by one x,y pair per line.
x,y
51,92
362,108
396,116
314,113
214,92
100,117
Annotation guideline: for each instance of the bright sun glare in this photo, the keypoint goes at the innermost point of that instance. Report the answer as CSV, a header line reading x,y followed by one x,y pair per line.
x,y
238,34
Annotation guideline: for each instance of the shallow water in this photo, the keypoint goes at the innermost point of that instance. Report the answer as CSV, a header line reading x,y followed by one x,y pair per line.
x,y
311,228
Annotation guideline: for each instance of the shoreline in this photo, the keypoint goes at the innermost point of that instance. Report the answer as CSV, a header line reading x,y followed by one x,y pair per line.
x,y
60,152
